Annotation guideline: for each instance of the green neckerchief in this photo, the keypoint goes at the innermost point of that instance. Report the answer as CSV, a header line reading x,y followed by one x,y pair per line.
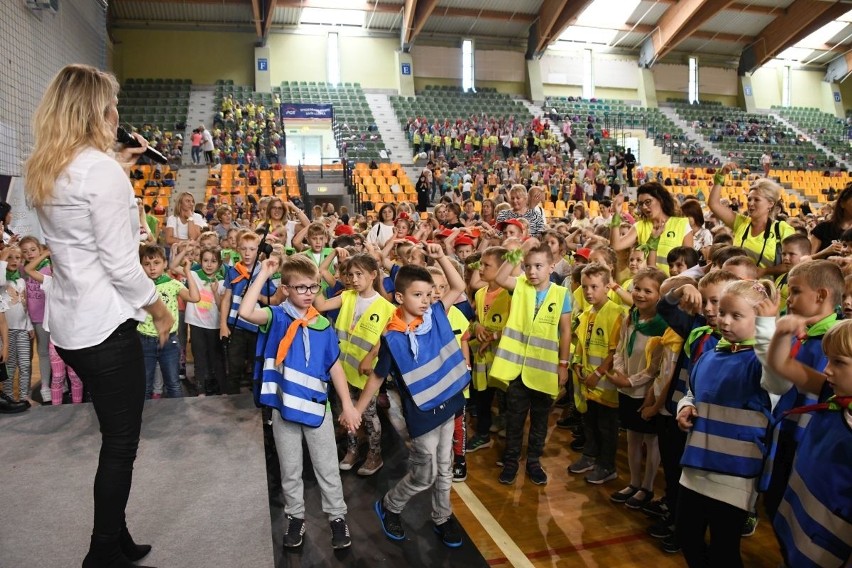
x,y
654,327
725,345
12,275
649,246
207,279
693,336
819,328
232,255
43,263
162,279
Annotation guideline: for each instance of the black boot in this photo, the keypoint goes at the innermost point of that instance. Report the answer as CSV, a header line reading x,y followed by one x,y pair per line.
x,y
9,406
130,549
104,552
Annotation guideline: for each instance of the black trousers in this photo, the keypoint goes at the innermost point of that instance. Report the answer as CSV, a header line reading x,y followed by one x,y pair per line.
x,y
114,374
672,440
241,349
520,401
484,399
209,359
695,514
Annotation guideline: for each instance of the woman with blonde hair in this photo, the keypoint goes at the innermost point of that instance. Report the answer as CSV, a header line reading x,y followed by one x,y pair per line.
x,y
758,233
184,224
80,189
519,202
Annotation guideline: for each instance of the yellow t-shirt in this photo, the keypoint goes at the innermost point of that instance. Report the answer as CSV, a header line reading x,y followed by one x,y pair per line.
x,y
754,244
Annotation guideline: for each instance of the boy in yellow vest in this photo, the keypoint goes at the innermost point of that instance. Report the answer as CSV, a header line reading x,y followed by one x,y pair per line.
x,y
597,339
532,356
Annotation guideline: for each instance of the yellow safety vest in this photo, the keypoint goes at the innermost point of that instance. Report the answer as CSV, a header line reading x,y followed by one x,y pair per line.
x,y
459,324
494,321
593,343
529,346
416,138
356,343
672,237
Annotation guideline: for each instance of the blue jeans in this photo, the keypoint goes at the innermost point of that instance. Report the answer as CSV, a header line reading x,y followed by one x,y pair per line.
x,y
169,358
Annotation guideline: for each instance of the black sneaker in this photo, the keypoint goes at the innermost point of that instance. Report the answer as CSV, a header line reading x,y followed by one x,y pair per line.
x,y
671,545
449,532
569,422
656,509
295,531
459,471
536,473
578,443
340,534
509,473
391,522
662,529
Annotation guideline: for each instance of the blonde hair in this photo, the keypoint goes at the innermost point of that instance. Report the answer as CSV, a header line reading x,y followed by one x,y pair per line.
x,y
519,189
176,208
752,291
72,115
770,191
838,340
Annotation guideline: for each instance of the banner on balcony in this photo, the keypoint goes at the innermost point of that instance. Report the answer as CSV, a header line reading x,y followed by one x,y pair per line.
x,y
306,110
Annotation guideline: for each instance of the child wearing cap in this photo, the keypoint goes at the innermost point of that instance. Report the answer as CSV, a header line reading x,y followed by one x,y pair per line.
x,y
513,229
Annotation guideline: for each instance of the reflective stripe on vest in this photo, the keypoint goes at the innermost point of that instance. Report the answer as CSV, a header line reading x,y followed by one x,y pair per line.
x,y
726,440
440,373
355,344
598,348
529,346
299,397
494,321
814,520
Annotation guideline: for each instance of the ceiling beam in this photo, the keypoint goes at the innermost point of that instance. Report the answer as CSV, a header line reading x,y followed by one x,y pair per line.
x,y
548,13
258,20
718,36
741,7
422,12
565,18
267,16
408,21
676,24
484,14
800,19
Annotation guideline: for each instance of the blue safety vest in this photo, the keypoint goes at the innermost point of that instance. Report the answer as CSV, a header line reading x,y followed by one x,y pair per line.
x,y
439,371
680,382
237,291
814,521
733,414
298,388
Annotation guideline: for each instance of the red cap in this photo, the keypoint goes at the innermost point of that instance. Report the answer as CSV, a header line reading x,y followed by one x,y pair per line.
x,y
443,233
583,252
402,215
502,224
343,230
412,239
463,240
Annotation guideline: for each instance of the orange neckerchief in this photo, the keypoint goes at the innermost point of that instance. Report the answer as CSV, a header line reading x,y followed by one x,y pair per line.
x,y
285,343
397,323
242,271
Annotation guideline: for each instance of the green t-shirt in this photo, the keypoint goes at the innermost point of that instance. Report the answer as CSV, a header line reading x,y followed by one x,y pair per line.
x,y
169,293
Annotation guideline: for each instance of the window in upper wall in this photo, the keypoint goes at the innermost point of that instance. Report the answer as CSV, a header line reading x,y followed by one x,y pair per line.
x,y
588,78
693,80
786,87
467,66
333,59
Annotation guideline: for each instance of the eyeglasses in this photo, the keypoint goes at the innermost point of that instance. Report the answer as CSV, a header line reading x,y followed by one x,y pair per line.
x,y
302,289
646,203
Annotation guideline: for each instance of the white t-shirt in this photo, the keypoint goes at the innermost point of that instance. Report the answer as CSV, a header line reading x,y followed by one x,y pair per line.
x,y
205,312
181,229
361,306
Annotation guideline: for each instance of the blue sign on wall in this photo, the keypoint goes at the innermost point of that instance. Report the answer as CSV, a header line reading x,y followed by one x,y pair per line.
x,y
406,68
747,90
837,96
262,64
306,110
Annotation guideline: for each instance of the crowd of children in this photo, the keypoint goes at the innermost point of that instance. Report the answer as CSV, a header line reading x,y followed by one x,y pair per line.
x,y
482,324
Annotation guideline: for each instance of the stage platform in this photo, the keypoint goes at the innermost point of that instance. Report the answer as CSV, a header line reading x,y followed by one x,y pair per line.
x,y
199,487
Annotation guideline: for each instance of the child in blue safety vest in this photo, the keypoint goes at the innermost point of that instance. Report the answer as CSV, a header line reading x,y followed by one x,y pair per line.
x,y
814,289
726,412
813,522
420,348
300,357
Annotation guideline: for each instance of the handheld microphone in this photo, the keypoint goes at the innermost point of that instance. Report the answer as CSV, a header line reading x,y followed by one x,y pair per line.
x,y
123,137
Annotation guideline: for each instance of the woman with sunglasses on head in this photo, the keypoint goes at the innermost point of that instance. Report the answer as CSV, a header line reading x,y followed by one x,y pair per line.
x,y
759,233
77,181
660,227
825,237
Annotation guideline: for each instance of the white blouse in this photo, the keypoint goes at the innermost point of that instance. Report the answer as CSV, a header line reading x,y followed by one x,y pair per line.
x,y
91,227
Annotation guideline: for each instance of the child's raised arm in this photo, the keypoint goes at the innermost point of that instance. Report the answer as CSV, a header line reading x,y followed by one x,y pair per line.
x,y
454,279
31,269
190,293
248,307
778,358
